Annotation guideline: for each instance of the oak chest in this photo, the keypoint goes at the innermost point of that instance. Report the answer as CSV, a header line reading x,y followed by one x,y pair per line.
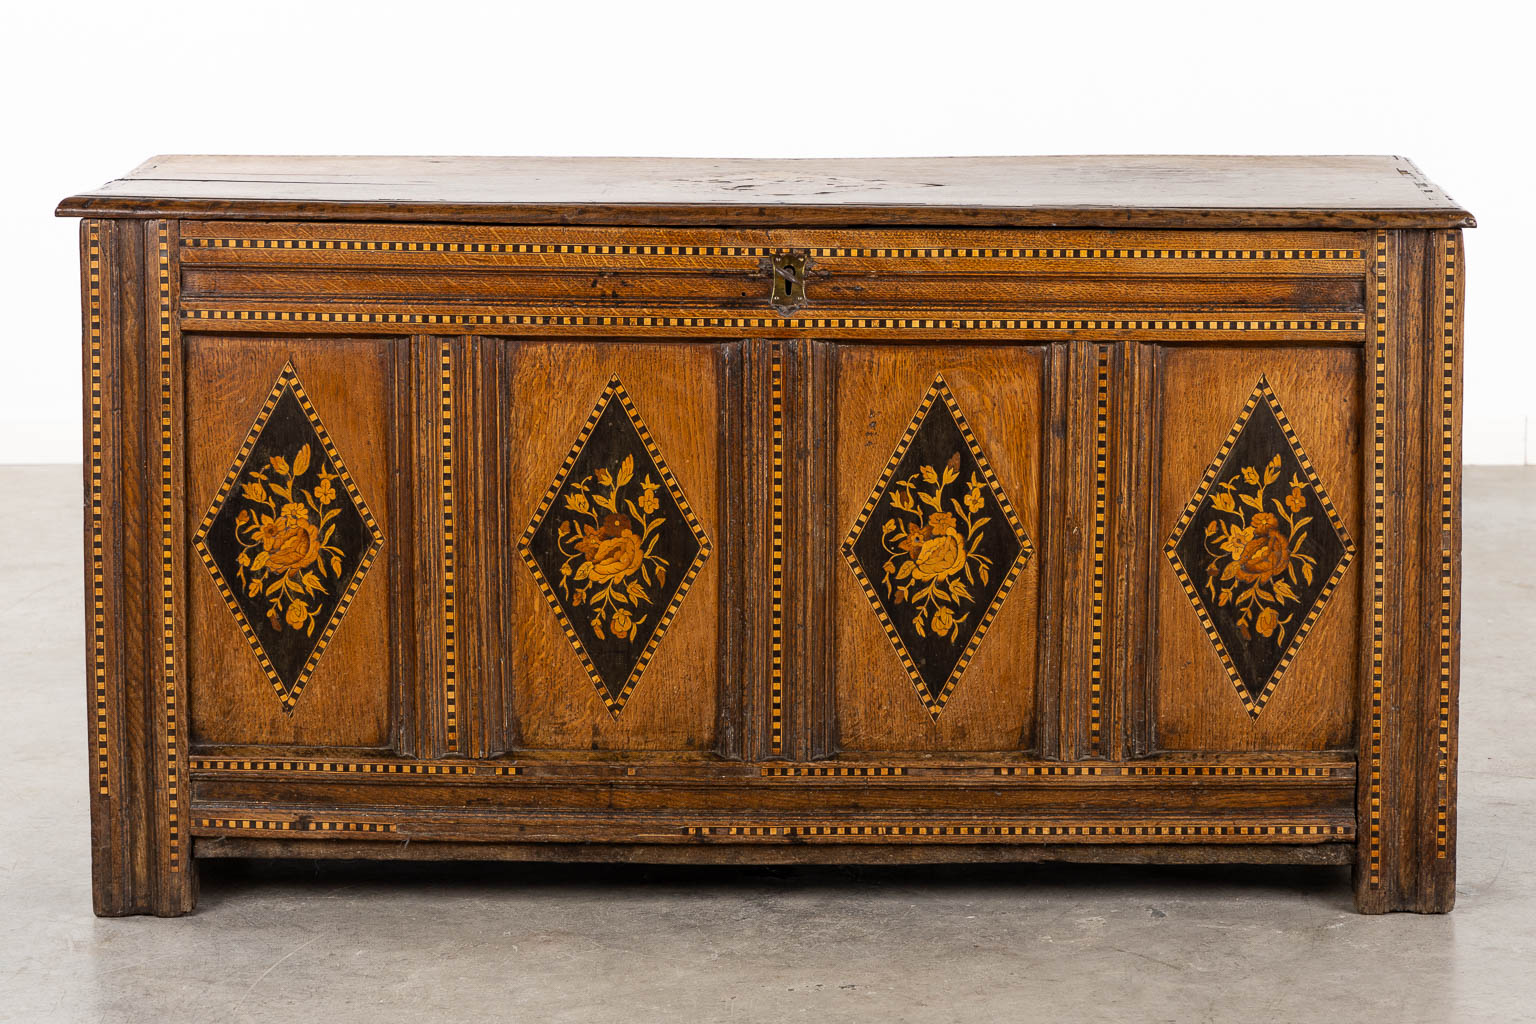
x,y
772,511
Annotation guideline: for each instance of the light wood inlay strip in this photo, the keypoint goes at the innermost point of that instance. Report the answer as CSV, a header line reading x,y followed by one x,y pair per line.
x,y
1378,558
1100,485
94,322
450,633
1232,255
167,556
1086,829
1334,324
1447,527
776,667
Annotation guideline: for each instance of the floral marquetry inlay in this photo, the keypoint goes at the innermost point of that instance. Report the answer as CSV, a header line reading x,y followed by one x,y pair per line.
x,y
288,538
614,546
937,547
1259,548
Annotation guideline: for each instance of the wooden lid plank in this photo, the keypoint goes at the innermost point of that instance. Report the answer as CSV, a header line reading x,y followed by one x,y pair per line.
x,y
1035,191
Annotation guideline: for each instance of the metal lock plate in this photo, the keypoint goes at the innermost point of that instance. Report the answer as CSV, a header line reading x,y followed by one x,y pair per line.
x,y
787,272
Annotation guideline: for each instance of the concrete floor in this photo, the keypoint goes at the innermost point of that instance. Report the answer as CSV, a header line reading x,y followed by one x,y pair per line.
x,y
335,944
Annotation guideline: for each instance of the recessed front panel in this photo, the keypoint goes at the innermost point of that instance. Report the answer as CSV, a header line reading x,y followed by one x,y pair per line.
x,y
1259,548
288,449
937,547
1257,504
615,546
289,538
938,476
614,454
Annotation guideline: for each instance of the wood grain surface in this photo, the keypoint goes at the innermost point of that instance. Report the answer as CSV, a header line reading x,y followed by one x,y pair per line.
x,y
553,387
1195,705
878,388
1109,191
348,701
1098,321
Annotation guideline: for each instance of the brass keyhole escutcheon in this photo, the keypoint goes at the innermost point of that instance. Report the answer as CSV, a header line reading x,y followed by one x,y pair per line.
x,y
787,273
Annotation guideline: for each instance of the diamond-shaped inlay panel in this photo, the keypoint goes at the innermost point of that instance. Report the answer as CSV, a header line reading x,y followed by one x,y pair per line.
x,y
288,538
614,546
1259,548
937,547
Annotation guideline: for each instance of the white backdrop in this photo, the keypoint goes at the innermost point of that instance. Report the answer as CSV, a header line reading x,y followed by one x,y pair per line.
x,y
92,88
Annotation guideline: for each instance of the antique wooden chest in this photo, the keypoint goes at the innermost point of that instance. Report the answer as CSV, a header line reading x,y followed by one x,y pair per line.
x,y
772,511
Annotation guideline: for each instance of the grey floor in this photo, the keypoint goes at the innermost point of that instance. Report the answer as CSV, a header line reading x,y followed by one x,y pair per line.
x,y
274,943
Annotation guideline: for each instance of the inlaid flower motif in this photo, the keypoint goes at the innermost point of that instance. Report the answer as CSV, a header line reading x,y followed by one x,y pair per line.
x,y
932,546
648,502
298,614
286,552
936,547
612,551
324,492
608,543
973,497
621,623
1259,549
291,541
1258,556
287,538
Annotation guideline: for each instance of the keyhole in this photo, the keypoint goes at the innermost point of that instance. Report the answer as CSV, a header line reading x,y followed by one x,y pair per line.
x,y
788,290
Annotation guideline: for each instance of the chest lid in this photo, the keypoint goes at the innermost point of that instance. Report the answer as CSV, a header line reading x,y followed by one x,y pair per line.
x,y
1204,192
